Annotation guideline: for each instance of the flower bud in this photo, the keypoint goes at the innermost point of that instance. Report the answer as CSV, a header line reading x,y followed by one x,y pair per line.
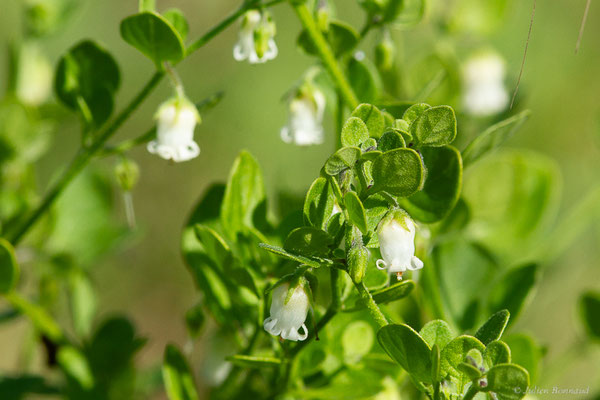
x,y
323,15
483,85
34,80
289,308
358,259
305,123
128,174
176,120
396,233
385,53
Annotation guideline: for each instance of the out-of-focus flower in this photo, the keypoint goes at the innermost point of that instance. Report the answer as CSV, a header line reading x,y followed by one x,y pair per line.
x,y
483,79
256,38
396,233
176,120
288,313
34,80
305,123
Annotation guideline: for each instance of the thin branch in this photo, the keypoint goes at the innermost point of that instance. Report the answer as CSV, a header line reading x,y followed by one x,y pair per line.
x,y
524,55
582,27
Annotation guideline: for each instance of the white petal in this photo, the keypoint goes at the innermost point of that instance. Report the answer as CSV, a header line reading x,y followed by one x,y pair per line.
x,y
239,52
271,326
381,264
415,263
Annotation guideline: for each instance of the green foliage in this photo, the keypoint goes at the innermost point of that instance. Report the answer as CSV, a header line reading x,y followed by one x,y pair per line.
x,y
87,78
354,132
408,349
179,382
356,211
442,186
364,79
372,117
507,381
155,36
341,160
341,37
9,269
589,306
514,289
493,328
436,127
399,172
494,137
319,203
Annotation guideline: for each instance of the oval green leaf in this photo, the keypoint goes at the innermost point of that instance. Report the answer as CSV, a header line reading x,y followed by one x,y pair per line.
x,y
435,127
342,159
408,349
399,172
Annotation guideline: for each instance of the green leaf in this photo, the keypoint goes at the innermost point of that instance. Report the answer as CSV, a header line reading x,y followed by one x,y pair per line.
x,y
436,366
310,261
493,137
437,332
177,375
470,371
86,80
75,365
354,132
391,140
412,13
494,327
154,36
372,117
508,381
455,353
177,21
341,37
319,203
254,361
357,261
213,244
397,291
342,159
194,320
511,215
526,353
589,307
83,302
9,269
356,211
413,112
453,260
398,172
364,79
357,341
442,186
515,287
408,349
496,352
308,241
244,193
435,127
37,315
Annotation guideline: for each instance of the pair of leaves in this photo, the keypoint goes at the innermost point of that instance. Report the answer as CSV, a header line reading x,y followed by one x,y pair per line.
x,y
160,38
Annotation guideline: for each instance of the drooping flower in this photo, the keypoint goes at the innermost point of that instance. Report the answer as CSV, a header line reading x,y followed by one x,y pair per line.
x,y
305,121
287,317
256,38
396,233
483,78
34,80
176,120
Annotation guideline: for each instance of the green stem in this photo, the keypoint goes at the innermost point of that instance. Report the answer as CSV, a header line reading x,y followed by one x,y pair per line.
x,y
326,54
374,309
471,392
83,157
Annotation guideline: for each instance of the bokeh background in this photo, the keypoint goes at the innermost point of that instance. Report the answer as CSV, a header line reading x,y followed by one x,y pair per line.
x,y
147,280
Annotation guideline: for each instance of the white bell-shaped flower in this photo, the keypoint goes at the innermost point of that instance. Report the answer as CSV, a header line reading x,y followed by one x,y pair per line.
x,y
288,317
483,79
256,38
176,120
396,233
305,123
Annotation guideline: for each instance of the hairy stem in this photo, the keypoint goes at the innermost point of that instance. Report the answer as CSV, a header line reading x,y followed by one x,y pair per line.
x,y
373,308
83,157
471,392
326,54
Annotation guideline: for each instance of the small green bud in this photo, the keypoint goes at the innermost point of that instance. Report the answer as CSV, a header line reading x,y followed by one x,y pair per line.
x,y
358,259
128,174
385,53
323,15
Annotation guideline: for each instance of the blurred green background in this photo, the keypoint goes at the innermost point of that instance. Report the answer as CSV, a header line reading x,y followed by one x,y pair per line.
x,y
148,281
